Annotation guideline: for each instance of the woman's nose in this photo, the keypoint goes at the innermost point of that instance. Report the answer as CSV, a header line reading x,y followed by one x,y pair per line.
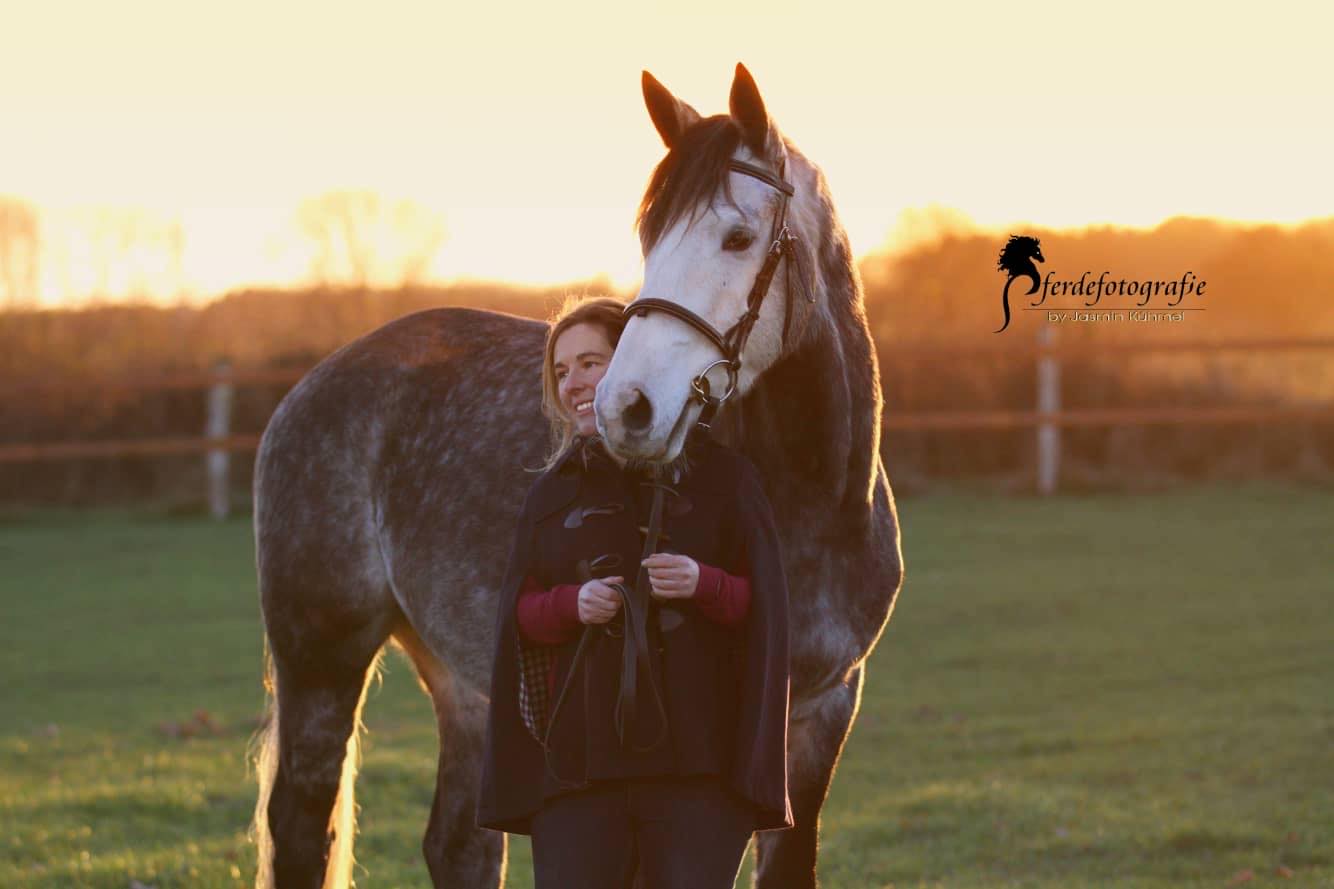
x,y
579,389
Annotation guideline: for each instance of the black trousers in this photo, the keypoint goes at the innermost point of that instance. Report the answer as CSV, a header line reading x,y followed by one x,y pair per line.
x,y
682,833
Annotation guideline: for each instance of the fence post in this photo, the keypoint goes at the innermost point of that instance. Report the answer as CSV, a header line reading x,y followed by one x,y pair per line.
x,y
218,462
1049,402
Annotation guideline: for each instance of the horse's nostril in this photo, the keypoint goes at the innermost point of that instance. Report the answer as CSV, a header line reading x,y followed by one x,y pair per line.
x,y
639,414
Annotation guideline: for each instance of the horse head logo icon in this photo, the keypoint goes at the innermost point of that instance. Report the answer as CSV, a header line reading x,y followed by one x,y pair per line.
x,y
1016,260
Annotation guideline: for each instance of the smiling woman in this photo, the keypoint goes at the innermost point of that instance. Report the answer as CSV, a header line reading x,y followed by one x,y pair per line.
x,y
583,337
692,655
581,357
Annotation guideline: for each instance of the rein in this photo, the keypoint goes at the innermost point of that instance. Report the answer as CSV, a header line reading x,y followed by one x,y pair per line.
x,y
731,343
636,604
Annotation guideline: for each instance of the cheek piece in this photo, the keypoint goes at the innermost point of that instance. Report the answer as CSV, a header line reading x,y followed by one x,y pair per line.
x,y
731,343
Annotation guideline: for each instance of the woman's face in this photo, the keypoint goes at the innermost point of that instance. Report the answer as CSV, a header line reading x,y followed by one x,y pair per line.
x,y
580,358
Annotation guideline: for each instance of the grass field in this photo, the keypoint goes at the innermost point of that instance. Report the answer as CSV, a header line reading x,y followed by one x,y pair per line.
x,y
1101,691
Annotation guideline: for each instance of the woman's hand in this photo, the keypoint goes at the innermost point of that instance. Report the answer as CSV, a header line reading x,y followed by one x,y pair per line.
x,y
598,602
672,575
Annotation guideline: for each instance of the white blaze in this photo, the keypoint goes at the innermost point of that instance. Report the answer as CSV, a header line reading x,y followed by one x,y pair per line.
x,y
658,355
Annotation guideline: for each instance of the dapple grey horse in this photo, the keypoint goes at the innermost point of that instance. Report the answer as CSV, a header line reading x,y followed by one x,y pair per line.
x,y
388,480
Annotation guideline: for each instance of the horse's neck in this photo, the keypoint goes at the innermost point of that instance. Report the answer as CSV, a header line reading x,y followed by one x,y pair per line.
x,y
811,423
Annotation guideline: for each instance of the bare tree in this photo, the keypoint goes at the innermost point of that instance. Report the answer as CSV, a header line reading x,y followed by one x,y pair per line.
x,y
364,241
133,252
20,249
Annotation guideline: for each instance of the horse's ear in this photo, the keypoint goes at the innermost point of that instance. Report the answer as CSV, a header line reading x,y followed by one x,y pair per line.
x,y
670,115
747,109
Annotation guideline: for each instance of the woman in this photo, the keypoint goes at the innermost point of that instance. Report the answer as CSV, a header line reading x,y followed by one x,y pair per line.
x,y
636,731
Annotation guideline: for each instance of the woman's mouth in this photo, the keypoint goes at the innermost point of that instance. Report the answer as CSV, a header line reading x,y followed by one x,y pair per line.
x,y
583,407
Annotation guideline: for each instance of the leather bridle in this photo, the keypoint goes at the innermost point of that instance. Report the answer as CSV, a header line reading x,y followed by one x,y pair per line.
x,y
731,343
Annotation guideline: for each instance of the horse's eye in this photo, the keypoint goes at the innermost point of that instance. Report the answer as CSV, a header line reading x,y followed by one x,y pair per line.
x,y
738,239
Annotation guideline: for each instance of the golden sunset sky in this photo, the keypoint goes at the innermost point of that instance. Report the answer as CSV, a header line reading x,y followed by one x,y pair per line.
x,y
523,127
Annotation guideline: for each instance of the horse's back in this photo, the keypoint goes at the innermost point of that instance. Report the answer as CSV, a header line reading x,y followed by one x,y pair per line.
x,y
393,460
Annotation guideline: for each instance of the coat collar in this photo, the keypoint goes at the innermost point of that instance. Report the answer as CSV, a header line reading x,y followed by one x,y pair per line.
x,y
587,454
561,483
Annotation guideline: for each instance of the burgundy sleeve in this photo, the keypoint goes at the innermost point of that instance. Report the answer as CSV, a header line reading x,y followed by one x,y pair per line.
x,y
548,617
721,597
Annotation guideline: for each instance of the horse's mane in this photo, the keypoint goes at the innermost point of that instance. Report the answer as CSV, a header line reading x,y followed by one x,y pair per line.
x,y
1016,250
690,174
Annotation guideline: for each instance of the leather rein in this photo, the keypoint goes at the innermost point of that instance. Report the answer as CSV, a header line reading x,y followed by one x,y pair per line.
x,y
731,343
636,605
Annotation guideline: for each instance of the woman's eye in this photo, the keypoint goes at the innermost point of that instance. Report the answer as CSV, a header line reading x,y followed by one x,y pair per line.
x,y
738,239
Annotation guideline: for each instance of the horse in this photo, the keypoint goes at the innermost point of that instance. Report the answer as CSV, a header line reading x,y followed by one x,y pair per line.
x,y
386,480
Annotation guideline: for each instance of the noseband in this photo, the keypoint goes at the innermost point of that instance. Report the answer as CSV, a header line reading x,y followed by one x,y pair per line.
x,y
731,343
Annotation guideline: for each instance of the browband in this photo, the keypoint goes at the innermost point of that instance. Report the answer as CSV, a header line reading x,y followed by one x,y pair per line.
x,y
763,175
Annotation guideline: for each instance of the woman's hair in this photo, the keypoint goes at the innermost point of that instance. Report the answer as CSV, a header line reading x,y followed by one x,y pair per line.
x,y
604,311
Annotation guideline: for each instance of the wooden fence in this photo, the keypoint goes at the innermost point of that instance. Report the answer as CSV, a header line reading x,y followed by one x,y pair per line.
x,y
1047,417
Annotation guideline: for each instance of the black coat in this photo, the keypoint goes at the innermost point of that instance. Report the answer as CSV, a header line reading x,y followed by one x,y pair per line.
x,y
725,689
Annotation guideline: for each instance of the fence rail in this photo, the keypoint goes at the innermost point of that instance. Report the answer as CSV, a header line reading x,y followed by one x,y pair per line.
x,y
1048,419
1144,416
126,447
1015,351
910,422
1049,345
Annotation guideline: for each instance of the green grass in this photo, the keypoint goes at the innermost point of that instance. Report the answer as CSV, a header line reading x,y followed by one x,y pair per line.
x,y
1108,690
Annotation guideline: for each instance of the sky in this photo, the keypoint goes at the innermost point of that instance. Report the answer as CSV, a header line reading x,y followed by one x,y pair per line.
x,y
521,127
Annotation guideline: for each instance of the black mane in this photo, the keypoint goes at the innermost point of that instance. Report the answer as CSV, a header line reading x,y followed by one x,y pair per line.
x,y
690,174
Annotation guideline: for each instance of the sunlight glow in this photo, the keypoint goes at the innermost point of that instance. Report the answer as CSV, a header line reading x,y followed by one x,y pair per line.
x,y
525,134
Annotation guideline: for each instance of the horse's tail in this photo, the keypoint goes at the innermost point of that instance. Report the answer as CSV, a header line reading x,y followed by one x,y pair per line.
x,y
343,819
264,758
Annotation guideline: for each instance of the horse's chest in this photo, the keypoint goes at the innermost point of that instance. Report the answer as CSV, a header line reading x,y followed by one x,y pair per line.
x,y
838,606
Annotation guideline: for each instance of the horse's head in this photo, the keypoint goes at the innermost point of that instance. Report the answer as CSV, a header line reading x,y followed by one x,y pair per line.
x,y
706,230
1019,253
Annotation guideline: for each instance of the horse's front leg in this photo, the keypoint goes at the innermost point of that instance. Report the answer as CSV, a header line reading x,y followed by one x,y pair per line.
x,y
785,859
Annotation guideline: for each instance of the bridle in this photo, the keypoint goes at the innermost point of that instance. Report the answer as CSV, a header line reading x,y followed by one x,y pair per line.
x,y
782,245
